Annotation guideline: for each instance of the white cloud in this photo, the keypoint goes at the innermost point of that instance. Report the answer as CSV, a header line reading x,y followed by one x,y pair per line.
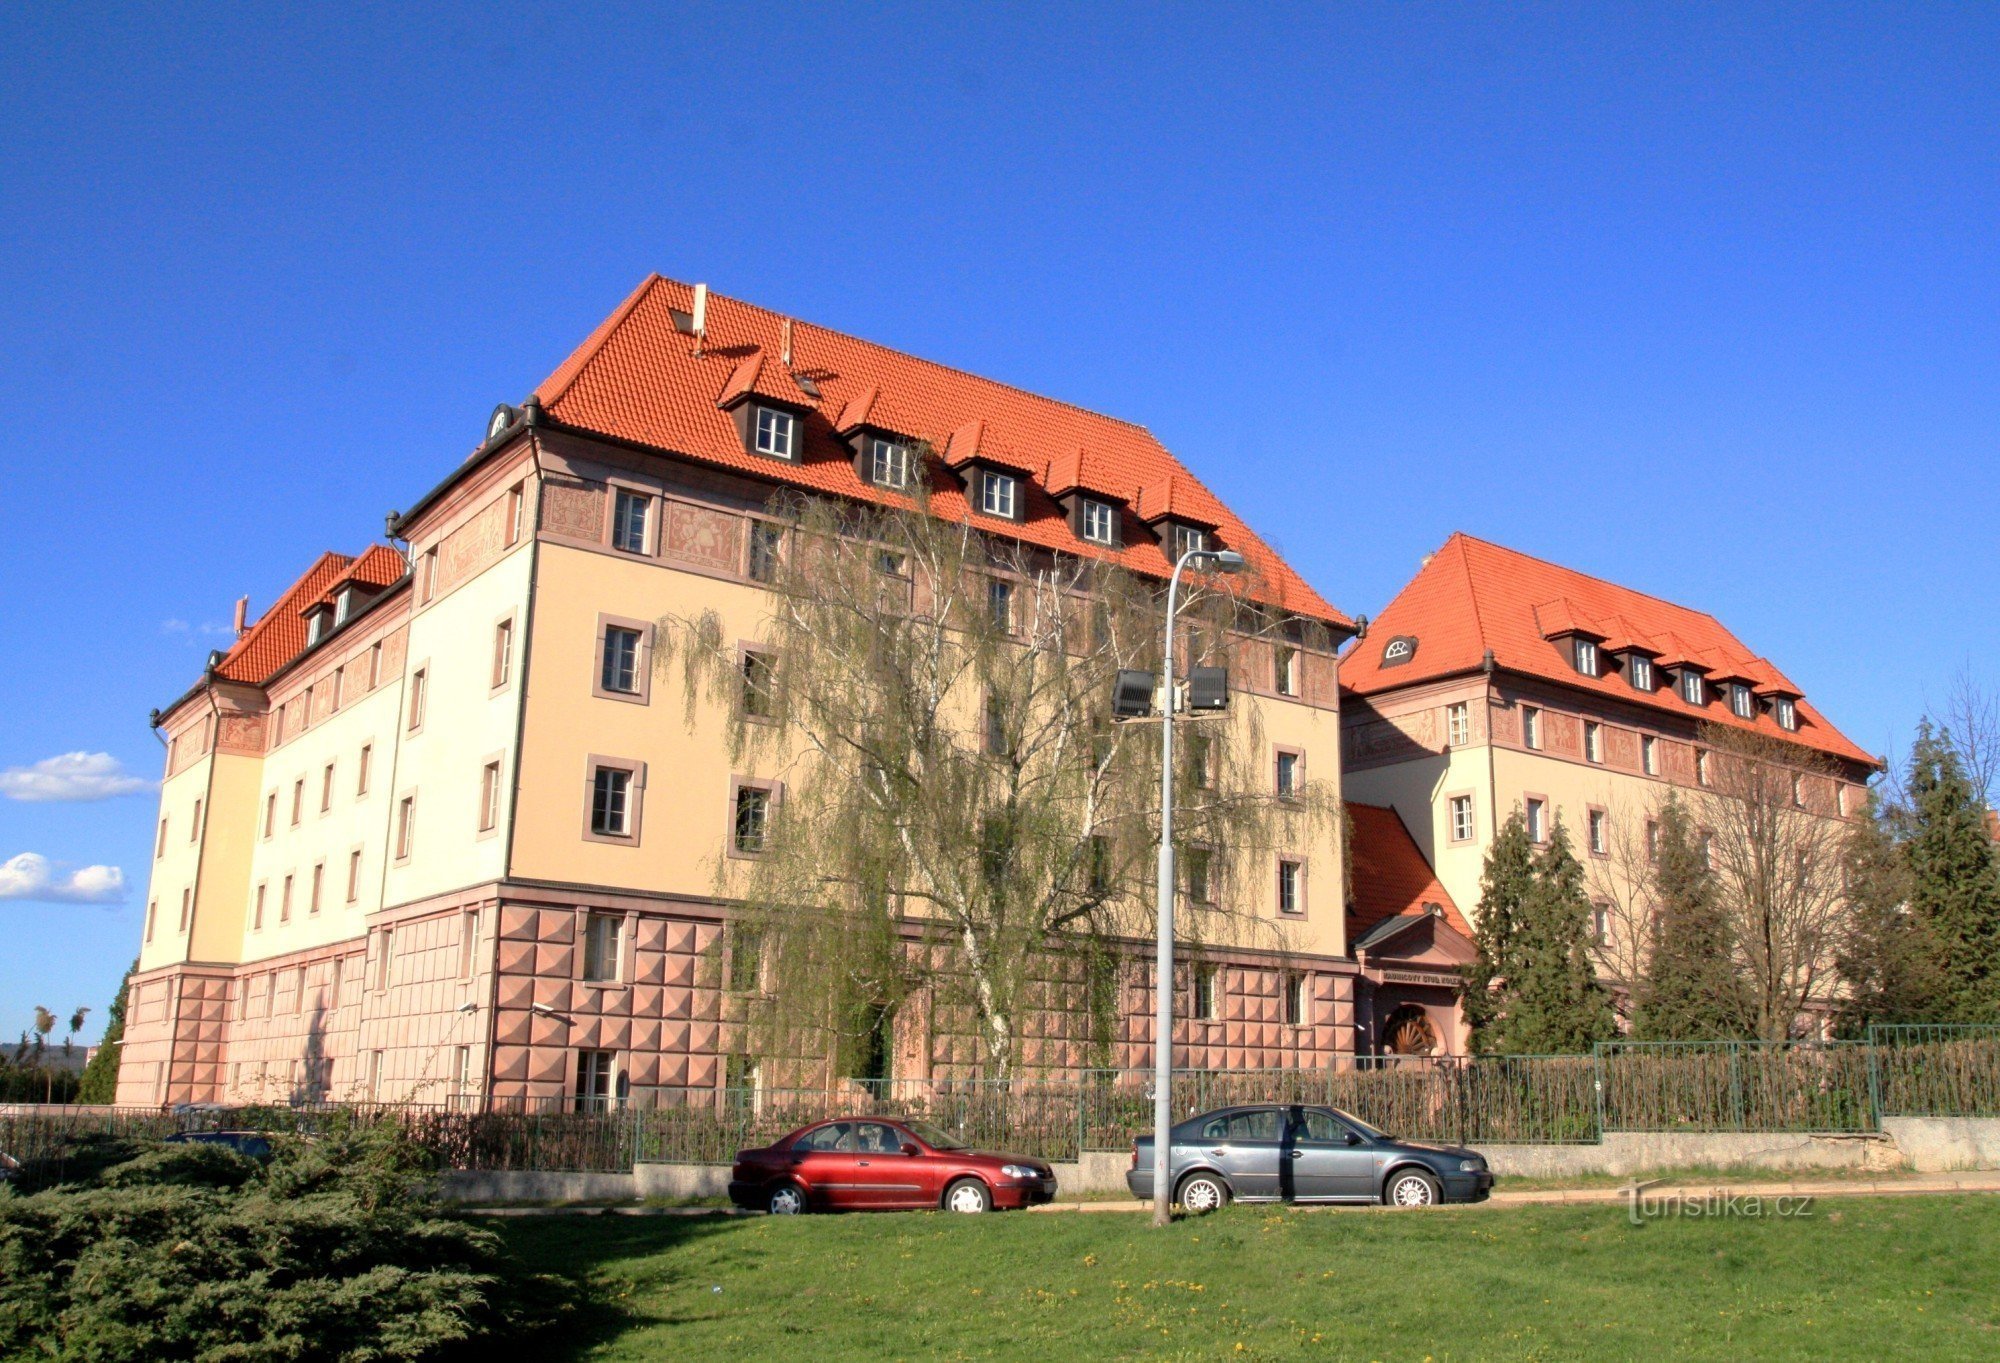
x,y
173,627
72,776
31,878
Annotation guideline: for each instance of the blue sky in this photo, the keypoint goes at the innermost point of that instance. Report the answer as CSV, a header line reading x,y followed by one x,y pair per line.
x,y
1702,299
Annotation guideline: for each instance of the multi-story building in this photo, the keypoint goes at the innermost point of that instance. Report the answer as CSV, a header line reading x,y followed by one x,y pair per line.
x,y
427,832
1496,683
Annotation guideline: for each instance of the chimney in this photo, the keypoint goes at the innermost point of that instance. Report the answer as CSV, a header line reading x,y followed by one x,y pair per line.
x,y
787,355
242,616
699,317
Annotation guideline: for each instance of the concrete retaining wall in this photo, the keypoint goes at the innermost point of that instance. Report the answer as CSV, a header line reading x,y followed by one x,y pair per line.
x,y
1625,1153
519,1185
1938,1144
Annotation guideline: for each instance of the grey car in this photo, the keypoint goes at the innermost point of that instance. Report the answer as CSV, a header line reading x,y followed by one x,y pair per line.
x,y
1279,1152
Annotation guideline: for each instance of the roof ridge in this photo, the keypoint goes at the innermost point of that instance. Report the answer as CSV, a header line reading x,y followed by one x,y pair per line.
x,y
1709,616
592,345
801,324
1471,590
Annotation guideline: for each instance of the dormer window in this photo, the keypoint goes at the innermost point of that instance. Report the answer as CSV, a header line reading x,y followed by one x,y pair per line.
x,y
342,605
1741,703
1786,712
1187,539
1098,522
315,627
1586,657
999,494
1639,671
775,432
1693,690
888,463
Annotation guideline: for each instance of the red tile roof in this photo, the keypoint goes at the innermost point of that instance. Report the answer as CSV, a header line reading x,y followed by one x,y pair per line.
x,y
638,379
1473,595
279,635
1389,874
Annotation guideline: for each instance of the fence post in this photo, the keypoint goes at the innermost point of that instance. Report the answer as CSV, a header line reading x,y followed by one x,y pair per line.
x,y
1736,1080
1874,1081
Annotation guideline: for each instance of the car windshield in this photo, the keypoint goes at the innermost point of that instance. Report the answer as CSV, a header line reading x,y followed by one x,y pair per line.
x,y
935,1137
1372,1133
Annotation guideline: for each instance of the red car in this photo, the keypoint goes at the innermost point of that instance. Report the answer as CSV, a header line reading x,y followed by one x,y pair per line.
x,y
875,1163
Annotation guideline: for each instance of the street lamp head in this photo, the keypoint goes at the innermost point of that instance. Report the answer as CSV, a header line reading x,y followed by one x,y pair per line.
x,y
1218,561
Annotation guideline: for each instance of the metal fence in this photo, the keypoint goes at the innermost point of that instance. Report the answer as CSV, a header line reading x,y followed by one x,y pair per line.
x,y
1797,1087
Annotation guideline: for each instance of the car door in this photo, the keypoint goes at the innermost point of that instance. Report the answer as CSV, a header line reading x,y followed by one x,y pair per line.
x,y
1327,1157
824,1161
883,1175
1244,1146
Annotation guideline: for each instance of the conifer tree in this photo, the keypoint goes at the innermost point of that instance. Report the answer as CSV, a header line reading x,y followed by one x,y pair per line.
x,y
1692,989
1553,1002
100,1076
1504,886
1954,878
1889,957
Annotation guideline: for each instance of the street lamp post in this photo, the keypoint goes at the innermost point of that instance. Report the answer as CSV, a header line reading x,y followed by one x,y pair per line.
x,y
1221,561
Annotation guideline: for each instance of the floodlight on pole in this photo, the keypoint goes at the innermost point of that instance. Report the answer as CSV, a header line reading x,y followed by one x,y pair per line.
x,y
1209,560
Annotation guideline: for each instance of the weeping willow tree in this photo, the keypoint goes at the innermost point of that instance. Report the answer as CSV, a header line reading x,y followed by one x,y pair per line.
x,y
959,815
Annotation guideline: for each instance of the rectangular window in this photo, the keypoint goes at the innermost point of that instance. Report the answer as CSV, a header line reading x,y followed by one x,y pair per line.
x,y
1600,924
468,942
1600,833
1531,726
1786,712
1700,767
1197,863
1285,668
595,1080
430,573
374,1076
194,824
285,902
326,789
602,936
298,800
1640,671
516,500
418,681
1297,996
1741,702
270,813
631,517
759,698
1652,840
1000,604
610,803
998,493
1537,820
160,842
1593,741
384,958
1288,773
1458,723
746,960
361,775
1692,690
503,652
1187,540
1291,886
257,914
751,830
995,736
1206,1004
318,882
1798,791
1649,755
762,564
187,903
1201,761
374,666
333,983
461,1070
1461,818
1099,522
406,826
354,875
889,464
339,684
298,997
152,914
619,669
1586,657
489,797
1098,865
775,430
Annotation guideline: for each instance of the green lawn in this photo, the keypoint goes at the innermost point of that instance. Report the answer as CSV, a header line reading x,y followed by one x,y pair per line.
x,y
1912,1277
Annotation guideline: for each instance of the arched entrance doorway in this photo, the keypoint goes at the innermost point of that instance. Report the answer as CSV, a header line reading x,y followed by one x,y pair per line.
x,y
1408,1031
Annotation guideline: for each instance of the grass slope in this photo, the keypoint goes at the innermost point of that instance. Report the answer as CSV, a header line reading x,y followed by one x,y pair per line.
x,y
1912,1277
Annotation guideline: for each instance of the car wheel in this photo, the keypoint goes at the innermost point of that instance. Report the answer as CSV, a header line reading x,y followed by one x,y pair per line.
x,y
786,1199
1412,1188
1202,1193
968,1195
